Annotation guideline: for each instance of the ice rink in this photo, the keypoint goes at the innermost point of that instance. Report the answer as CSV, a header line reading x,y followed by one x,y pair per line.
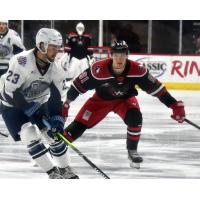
x,y
169,149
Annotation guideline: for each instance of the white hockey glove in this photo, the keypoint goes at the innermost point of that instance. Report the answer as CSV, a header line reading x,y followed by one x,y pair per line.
x,y
91,60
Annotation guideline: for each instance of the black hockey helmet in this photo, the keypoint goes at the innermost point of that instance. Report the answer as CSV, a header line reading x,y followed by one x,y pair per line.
x,y
119,47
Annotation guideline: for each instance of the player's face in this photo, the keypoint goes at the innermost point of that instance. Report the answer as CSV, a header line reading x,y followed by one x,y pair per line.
x,y
3,27
119,62
52,51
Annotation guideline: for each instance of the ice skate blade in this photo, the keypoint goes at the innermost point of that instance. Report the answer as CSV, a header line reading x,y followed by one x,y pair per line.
x,y
135,165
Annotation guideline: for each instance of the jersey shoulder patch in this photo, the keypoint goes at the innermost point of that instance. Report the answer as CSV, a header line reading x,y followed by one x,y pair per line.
x,y
99,70
136,69
22,60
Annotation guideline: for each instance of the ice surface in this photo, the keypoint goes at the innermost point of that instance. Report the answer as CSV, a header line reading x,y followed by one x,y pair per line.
x,y
169,149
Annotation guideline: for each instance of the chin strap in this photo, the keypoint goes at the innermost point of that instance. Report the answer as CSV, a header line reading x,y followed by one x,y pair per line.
x,y
49,60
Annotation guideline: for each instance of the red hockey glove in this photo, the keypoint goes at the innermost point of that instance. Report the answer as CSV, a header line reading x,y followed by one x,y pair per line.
x,y
65,110
178,111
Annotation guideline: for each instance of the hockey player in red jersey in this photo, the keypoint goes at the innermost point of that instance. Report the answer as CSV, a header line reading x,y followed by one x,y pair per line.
x,y
114,81
80,54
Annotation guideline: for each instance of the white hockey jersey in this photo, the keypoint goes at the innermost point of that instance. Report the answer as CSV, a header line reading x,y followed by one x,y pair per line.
x,y
23,74
6,46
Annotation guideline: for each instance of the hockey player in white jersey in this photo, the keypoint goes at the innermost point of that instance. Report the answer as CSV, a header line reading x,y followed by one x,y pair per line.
x,y
34,85
10,44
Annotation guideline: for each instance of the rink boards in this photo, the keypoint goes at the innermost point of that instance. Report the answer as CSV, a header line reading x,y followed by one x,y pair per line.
x,y
175,71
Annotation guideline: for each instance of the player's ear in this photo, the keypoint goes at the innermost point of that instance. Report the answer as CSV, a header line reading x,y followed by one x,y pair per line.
x,y
42,46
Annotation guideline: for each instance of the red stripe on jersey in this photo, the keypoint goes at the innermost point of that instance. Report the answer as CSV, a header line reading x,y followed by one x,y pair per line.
x,y
72,34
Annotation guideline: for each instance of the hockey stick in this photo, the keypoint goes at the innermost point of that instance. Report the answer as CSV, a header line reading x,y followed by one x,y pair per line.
x,y
191,123
46,123
3,134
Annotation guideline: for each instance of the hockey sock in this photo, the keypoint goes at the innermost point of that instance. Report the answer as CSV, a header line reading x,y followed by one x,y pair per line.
x,y
41,156
58,151
133,137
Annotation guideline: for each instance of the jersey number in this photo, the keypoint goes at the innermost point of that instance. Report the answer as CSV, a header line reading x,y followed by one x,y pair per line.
x,y
13,77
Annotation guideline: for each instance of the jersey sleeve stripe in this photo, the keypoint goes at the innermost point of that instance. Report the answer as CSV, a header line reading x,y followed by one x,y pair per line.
x,y
77,89
157,91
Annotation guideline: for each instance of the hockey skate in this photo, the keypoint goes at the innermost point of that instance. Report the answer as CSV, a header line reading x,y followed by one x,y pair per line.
x,y
67,173
54,174
135,159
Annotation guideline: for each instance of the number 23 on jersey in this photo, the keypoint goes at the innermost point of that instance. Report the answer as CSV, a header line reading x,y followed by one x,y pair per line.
x,y
12,77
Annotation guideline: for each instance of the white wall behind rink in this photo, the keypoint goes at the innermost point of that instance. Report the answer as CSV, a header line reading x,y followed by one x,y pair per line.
x,y
175,71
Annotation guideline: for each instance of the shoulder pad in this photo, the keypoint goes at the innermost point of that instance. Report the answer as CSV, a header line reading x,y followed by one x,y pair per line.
x,y
100,71
22,60
136,69
13,33
72,34
87,35
16,34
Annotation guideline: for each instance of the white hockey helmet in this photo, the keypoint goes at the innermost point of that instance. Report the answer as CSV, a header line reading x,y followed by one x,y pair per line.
x,y
4,21
48,36
4,29
80,28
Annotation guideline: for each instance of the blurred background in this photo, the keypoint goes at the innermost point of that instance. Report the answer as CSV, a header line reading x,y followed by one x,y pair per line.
x,y
142,36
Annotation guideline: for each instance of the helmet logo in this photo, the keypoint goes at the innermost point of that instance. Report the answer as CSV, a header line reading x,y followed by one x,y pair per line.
x,y
119,47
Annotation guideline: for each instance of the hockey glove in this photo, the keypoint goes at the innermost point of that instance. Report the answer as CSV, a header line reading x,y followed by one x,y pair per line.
x,y
92,61
65,111
57,126
35,114
178,111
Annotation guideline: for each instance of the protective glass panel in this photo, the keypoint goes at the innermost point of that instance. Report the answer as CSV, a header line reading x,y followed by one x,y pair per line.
x,y
165,36
31,28
15,25
135,33
67,26
191,37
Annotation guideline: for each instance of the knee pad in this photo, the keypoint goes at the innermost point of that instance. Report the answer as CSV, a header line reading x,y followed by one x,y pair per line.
x,y
29,133
75,129
133,118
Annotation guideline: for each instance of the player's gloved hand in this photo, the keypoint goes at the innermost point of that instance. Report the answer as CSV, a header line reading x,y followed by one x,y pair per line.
x,y
57,126
178,111
65,110
91,59
35,113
